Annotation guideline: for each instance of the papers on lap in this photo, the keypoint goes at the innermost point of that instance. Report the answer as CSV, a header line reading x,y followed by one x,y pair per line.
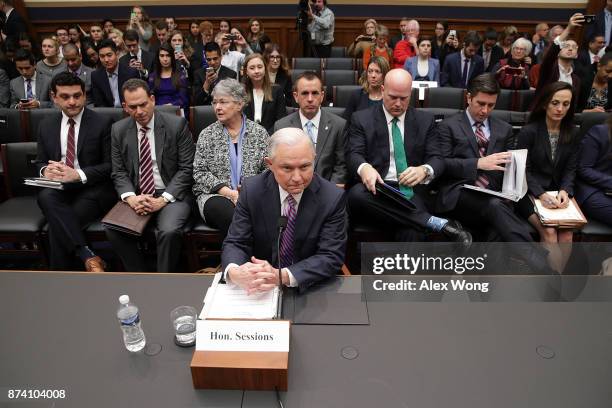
x,y
43,182
570,217
514,186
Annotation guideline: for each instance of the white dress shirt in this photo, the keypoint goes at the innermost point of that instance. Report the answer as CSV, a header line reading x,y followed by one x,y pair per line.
x,y
316,120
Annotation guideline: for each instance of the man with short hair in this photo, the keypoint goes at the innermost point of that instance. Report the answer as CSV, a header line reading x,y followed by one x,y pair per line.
x,y
13,23
540,41
588,58
74,65
63,38
161,33
325,129
490,52
96,34
74,148
313,244
602,24
136,58
29,90
460,67
407,47
171,24
232,59
391,144
403,35
152,156
205,79
106,82
321,28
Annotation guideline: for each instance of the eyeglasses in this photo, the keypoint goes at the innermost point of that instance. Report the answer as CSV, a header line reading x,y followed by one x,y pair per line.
x,y
274,57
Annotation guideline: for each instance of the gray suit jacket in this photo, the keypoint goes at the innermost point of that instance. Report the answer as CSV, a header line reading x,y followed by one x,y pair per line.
x,y
85,76
42,91
329,161
174,151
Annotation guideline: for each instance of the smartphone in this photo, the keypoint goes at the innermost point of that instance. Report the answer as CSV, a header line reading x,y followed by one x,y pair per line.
x,y
133,57
178,48
24,100
132,15
209,70
452,33
513,70
589,18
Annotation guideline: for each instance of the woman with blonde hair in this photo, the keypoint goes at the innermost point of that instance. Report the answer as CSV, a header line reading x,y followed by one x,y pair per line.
x,y
117,36
52,63
182,52
371,93
364,40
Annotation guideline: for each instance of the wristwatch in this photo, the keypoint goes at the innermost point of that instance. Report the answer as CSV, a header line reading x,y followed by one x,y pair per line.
x,y
428,172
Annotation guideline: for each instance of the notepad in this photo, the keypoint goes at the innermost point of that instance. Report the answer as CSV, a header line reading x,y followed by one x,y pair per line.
x,y
563,216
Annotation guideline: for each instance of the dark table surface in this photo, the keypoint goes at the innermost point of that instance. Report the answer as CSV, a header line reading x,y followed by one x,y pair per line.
x,y
528,342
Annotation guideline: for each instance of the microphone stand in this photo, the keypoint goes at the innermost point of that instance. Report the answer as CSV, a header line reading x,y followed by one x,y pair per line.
x,y
282,224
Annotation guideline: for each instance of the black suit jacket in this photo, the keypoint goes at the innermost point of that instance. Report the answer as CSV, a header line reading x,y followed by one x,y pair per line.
x,y
359,100
451,71
93,146
174,151
497,53
544,174
101,93
459,149
320,230
13,25
147,60
549,72
199,77
599,27
594,165
368,142
284,82
271,111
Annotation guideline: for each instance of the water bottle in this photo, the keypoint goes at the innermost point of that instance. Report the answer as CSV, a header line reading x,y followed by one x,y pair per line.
x,y
133,336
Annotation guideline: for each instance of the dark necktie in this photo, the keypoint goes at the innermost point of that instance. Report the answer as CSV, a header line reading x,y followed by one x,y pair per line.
x,y
482,180
286,249
147,184
464,75
70,145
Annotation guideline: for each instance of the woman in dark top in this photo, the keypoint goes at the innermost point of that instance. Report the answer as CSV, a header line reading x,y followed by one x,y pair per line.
x,y
441,32
265,101
371,93
167,82
278,71
594,94
256,37
550,137
194,33
594,178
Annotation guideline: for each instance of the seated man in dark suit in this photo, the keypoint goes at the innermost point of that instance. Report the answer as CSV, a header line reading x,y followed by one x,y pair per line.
x,y
590,56
313,243
325,129
460,67
137,58
391,143
152,156
74,148
107,82
74,65
29,90
205,79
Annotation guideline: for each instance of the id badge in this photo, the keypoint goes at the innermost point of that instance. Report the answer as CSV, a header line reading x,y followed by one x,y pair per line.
x,y
313,36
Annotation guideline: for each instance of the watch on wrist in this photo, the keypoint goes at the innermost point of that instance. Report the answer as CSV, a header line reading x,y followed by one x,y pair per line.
x,y
427,171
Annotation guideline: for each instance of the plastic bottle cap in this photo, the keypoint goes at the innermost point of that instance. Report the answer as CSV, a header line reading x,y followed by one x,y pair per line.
x,y
124,299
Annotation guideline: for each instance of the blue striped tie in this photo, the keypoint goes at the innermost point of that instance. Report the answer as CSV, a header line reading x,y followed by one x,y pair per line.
x,y
286,249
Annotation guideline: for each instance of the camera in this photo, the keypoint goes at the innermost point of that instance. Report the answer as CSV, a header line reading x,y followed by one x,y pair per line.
x,y
589,18
231,37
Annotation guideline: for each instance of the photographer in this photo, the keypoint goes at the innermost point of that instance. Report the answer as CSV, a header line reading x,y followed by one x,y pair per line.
x,y
321,28
363,41
513,72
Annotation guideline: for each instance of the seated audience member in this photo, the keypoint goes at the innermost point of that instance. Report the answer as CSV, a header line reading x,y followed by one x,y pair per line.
x,y
278,71
423,67
513,73
75,36
7,58
171,24
558,61
265,101
52,63
29,85
540,41
107,81
63,38
379,48
232,59
206,36
313,244
592,53
594,178
107,25
183,53
594,96
150,179
194,34
391,143
363,40
461,67
139,21
117,37
550,137
5,89
403,35
75,66
227,152
490,52
90,56
508,35
407,48
440,34
167,83
161,33
96,34
74,148
205,79
25,41
256,38
225,26
325,129
136,58
371,92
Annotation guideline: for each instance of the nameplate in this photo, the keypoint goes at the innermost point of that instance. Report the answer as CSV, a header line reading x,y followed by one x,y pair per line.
x,y
242,335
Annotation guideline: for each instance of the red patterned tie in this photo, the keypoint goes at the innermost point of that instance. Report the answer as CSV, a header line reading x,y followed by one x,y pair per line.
x,y
70,148
147,184
482,181
286,249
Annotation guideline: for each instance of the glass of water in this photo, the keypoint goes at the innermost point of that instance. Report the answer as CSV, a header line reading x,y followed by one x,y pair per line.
x,y
183,320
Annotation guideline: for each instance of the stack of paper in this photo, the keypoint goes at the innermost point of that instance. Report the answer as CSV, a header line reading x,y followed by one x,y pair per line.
x,y
570,217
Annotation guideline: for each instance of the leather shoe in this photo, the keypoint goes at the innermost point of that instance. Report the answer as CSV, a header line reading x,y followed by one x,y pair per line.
x,y
454,231
95,264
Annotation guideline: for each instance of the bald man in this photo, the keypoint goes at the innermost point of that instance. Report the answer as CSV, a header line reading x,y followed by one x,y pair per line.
x,y
314,241
391,144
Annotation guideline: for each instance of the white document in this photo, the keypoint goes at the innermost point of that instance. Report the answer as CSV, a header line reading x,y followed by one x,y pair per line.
x,y
514,185
43,182
242,335
228,301
570,213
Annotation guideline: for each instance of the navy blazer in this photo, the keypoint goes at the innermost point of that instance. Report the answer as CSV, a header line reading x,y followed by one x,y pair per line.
x,y
544,174
100,87
411,65
271,111
368,142
199,77
497,53
147,60
451,71
359,100
459,149
320,229
594,163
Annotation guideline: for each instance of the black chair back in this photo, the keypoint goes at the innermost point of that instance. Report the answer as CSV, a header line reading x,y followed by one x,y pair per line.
x,y
36,116
334,109
201,118
452,98
590,119
116,114
342,93
309,64
339,63
19,161
338,52
11,128
504,100
441,113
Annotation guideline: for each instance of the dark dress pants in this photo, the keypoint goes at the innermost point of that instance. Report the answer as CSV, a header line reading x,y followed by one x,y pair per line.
x,y
599,207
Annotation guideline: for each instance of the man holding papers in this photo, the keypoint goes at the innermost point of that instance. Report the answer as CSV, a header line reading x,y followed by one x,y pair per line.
x,y
74,148
313,242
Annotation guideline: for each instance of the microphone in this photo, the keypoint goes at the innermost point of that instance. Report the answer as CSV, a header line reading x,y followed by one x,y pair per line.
x,y
281,225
